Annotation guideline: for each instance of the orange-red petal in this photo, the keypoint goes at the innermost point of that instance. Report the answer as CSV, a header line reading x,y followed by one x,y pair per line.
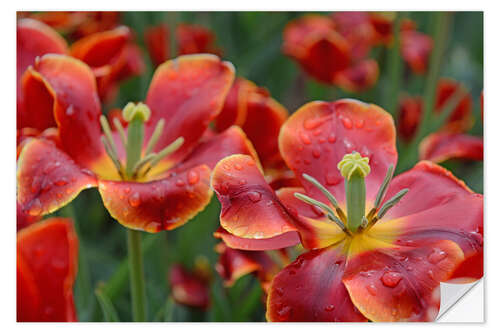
x,y
188,92
287,239
47,254
75,105
410,111
460,119
416,48
47,178
401,284
234,111
316,137
192,38
158,205
24,219
311,289
314,43
34,39
438,206
157,40
439,147
250,208
358,77
188,289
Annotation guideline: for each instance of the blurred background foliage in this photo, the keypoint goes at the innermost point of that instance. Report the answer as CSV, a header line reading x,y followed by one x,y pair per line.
x,y
252,42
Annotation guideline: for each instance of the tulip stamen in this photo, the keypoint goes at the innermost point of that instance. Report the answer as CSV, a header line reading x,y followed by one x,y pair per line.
x,y
328,195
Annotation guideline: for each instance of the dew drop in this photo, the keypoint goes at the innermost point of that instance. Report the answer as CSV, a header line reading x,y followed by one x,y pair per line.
x,y
321,140
430,274
36,207
332,179
284,312
317,210
280,291
193,177
70,110
316,153
242,182
238,166
180,183
35,184
61,182
254,196
347,122
360,123
305,138
313,123
135,199
391,279
372,289
329,308
127,190
332,138
436,256
317,132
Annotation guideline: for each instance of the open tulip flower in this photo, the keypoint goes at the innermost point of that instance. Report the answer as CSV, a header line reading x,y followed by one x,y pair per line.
x,y
378,247
327,55
47,256
152,175
189,288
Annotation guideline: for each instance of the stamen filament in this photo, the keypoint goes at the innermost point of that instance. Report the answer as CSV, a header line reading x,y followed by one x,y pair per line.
x,y
112,155
329,212
383,189
121,130
107,132
320,187
391,203
164,152
155,136
141,163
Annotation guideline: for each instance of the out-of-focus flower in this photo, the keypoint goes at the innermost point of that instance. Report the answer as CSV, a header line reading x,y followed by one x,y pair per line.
x,y
47,256
190,39
410,110
168,181
189,288
327,55
233,264
76,24
378,249
415,50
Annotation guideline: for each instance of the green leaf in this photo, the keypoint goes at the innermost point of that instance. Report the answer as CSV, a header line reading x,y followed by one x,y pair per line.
x,y
107,307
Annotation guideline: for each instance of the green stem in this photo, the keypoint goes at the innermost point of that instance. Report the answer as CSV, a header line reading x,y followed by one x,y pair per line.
x,y
355,196
137,285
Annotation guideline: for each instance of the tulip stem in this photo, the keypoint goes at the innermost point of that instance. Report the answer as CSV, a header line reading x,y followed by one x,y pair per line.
x,y
136,266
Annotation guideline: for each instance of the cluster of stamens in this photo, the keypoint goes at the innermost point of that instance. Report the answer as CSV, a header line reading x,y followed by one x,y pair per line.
x,y
138,163
354,169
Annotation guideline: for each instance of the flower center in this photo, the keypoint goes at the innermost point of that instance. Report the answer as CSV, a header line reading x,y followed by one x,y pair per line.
x,y
138,162
354,168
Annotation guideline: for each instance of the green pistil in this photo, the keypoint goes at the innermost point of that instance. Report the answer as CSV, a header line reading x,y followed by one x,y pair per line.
x,y
354,169
136,115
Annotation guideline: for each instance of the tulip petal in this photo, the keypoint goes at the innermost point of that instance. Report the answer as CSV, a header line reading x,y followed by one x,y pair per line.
x,y
47,254
358,77
409,114
250,208
416,48
453,213
187,289
439,147
316,138
157,40
192,38
24,219
161,204
287,239
234,111
76,108
460,119
48,178
311,289
401,284
188,92
34,39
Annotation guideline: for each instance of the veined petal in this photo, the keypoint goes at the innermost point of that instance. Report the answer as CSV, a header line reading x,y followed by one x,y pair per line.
x,y
311,289
47,255
250,208
188,92
438,206
34,39
158,205
76,106
287,239
401,284
358,77
439,147
48,178
316,137
188,289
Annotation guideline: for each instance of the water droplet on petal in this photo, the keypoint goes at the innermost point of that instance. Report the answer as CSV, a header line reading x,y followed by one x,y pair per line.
x,y
347,122
36,207
61,181
313,123
70,110
436,256
391,279
329,308
284,312
316,153
127,190
372,289
280,291
135,199
238,166
242,182
180,183
332,138
430,274
332,179
193,177
360,123
254,196
305,138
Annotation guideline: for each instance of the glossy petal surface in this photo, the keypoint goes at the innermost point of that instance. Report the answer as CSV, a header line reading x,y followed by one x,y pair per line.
x,y
439,147
287,239
48,178
158,205
250,208
188,93
401,284
47,254
316,137
311,289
